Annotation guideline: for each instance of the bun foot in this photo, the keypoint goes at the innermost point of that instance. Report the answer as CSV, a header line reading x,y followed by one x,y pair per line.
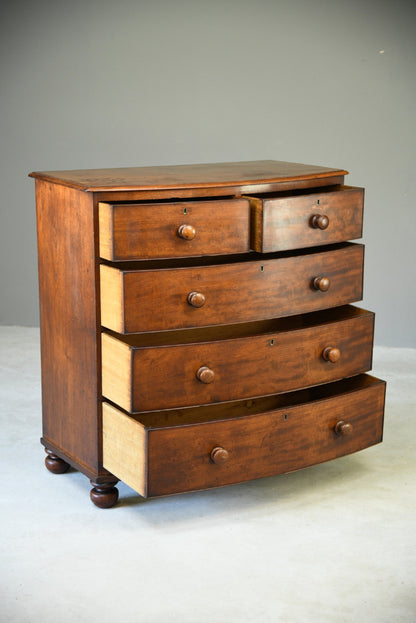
x,y
55,464
104,495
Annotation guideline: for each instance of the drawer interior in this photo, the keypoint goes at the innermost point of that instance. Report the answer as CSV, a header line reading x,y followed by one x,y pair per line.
x,y
175,451
241,408
239,330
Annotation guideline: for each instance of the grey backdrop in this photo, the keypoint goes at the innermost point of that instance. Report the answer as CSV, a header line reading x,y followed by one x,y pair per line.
x,y
101,83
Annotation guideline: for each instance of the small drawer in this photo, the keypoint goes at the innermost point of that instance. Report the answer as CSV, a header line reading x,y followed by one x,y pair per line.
x,y
174,229
178,451
134,300
297,221
163,371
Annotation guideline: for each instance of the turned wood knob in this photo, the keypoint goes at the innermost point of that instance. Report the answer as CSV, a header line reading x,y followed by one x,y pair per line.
x,y
187,232
205,374
331,354
319,221
343,428
321,283
219,455
196,299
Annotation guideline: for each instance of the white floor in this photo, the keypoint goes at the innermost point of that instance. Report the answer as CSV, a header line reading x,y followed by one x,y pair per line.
x,y
334,543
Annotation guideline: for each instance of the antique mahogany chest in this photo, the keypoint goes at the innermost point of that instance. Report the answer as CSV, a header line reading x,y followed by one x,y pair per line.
x,y
197,327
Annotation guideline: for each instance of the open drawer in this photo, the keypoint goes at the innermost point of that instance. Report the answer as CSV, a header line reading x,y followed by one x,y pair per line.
x,y
185,368
282,221
184,450
160,296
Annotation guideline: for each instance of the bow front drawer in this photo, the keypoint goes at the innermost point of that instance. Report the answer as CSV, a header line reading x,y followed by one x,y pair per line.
x,y
174,229
306,220
176,451
163,371
136,300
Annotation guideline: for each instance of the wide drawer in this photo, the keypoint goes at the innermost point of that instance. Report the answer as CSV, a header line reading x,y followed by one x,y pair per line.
x,y
176,451
285,222
141,374
134,300
175,229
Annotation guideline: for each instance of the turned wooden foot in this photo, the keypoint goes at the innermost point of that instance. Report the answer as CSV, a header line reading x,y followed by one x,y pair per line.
x,y
55,464
104,495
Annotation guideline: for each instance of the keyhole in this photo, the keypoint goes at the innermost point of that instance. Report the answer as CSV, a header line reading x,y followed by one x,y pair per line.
x,y
185,211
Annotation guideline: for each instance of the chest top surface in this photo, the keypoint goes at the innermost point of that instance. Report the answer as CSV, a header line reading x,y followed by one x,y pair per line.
x,y
188,176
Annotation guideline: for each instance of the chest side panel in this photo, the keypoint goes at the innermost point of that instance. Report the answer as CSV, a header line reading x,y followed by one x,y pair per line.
x,y
68,312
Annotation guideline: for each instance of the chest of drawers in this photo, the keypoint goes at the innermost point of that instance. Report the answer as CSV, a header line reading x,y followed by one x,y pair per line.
x,y
197,327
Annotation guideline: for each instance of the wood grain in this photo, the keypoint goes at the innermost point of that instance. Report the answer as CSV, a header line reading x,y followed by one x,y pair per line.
x,y
117,361
216,175
265,444
165,377
124,448
68,317
234,292
174,458
146,231
285,222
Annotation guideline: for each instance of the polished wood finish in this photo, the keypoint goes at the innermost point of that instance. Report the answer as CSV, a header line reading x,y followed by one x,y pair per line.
x,y
196,299
204,176
174,229
187,232
163,377
104,495
304,220
343,428
321,283
178,458
205,375
68,318
210,303
148,300
54,464
219,455
331,354
320,221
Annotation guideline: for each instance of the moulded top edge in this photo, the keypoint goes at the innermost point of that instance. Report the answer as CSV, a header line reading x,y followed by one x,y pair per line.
x,y
228,174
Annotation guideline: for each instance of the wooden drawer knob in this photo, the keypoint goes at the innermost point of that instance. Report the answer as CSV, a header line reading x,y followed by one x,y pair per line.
x,y
219,455
205,374
196,299
321,283
343,428
187,232
319,221
331,354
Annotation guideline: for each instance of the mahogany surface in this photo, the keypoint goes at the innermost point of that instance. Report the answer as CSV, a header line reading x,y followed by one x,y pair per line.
x,y
205,301
174,229
224,174
234,292
264,444
311,219
169,377
71,384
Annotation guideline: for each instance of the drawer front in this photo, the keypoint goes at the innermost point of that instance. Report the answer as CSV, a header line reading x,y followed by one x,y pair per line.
x,y
145,231
160,461
163,377
143,300
284,223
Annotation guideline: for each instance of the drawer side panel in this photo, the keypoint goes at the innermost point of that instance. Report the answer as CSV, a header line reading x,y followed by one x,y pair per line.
x,y
125,448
